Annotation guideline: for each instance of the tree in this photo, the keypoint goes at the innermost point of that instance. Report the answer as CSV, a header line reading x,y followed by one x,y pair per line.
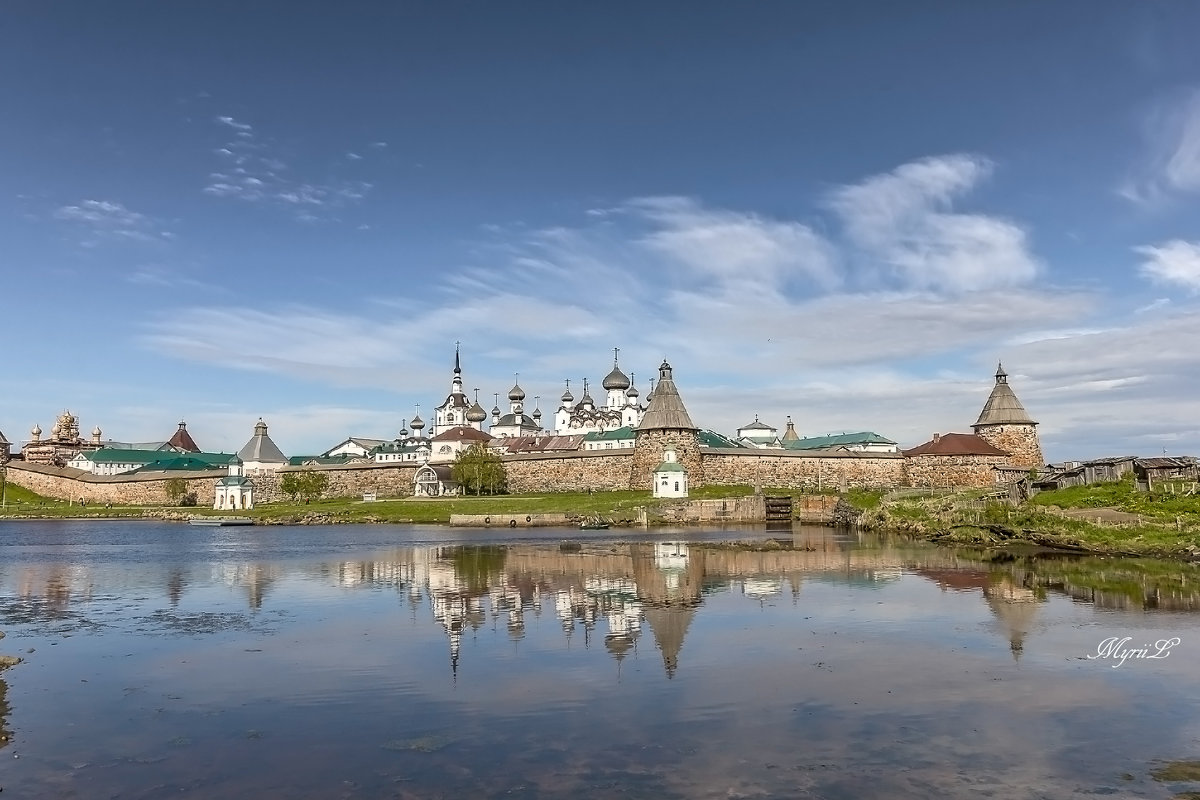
x,y
306,485
478,470
177,491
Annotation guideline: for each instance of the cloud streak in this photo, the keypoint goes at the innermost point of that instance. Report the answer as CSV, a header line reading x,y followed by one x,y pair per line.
x,y
761,315
112,221
1172,165
903,221
1173,263
250,170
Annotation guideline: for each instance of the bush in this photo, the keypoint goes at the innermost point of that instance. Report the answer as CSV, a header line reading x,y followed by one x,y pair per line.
x,y
306,485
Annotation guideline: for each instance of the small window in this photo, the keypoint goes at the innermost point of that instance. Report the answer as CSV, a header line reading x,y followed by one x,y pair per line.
x,y
677,486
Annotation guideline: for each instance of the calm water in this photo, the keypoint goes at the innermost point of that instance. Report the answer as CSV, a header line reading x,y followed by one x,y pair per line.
x,y
417,662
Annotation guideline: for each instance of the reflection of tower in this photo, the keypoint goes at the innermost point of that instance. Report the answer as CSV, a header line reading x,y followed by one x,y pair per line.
x,y
175,584
1015,607
669,576
258,580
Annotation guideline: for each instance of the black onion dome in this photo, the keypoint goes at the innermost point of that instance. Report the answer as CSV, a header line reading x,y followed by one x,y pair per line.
x,y
615,379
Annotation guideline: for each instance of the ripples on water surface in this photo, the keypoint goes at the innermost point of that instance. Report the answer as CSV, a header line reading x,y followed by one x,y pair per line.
x,y
417,662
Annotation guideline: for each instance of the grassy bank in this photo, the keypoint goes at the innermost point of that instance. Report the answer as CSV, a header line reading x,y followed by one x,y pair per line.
x,y
1107,518
618,506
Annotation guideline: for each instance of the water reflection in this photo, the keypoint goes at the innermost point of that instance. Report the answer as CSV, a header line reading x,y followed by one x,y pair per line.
x,y
823,664
613,592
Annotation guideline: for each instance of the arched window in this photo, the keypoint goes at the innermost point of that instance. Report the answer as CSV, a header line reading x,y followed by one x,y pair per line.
x,y
677,486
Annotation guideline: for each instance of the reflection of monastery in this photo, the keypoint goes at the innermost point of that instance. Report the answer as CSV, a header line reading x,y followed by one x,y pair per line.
x,y
637,601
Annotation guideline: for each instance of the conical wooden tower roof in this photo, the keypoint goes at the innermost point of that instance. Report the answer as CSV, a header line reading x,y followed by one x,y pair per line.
x,y
1002,406
666,410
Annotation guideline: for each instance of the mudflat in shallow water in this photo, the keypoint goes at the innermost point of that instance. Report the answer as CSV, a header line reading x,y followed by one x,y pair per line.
x,y
417,662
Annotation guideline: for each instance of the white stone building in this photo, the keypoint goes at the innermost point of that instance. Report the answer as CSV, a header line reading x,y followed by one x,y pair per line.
x,y
621,407
670,477
516,422
446,446
456,409
234,491
758,434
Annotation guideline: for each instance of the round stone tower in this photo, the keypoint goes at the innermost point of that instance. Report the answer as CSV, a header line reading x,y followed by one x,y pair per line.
x,y
1005,424
665,425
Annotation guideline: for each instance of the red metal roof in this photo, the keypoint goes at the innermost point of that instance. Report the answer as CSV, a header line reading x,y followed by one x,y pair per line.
x,y
955,444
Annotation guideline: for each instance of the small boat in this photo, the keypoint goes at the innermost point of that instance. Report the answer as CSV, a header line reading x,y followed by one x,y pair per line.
x,y
221,522
594,524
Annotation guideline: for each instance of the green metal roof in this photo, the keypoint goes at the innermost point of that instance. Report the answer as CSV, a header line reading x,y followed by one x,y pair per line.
x,y
837,440
670,466
234,480
297,461
714,439
109,455
625,432
187,462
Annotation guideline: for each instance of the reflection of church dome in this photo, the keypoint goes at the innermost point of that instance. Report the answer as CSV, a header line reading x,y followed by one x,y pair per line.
x,y
618,644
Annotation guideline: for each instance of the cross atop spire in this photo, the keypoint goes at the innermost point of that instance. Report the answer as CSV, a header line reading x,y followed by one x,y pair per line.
x,y
457,365
616,350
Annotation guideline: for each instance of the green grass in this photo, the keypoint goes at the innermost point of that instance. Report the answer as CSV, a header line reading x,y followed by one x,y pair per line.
x,y
1158,505
1165,528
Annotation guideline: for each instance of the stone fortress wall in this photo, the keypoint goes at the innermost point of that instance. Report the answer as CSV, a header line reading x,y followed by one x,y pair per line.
x,y
1004,424
606,470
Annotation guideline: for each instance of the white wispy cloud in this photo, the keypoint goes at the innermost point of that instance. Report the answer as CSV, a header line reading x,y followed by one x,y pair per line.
x,y
251,171
1172,163
1174,263
757,315
903,221
110,220
735,249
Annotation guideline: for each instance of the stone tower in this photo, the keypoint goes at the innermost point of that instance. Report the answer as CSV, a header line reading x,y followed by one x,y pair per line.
x,y
665,424
1005,424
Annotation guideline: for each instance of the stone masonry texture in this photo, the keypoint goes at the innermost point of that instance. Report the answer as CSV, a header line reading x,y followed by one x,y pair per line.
x,y
1019,441
629,468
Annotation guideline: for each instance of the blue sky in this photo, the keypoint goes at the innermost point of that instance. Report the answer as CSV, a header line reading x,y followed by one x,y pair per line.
x,y
846,212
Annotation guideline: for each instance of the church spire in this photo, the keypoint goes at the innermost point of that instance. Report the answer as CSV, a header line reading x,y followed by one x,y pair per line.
x,y
456,384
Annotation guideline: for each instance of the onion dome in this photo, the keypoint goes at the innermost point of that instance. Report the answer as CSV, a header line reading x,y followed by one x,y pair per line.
x,y
36,430
615,379
417,424
403,429
586,400
96,431
476,413
516,393
537,414
632,391
567,397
